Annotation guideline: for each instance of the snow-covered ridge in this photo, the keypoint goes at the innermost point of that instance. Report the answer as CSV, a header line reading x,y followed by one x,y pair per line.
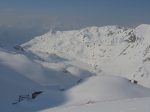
x,y
74,71
111,49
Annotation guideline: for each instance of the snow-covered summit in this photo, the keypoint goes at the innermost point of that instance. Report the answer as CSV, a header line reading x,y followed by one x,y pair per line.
x,y
90,69
112,49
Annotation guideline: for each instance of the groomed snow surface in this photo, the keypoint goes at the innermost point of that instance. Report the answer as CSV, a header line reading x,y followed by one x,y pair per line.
x,y
96,69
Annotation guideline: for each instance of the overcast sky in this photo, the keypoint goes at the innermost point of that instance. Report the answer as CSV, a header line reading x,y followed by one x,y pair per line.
x,y
74,13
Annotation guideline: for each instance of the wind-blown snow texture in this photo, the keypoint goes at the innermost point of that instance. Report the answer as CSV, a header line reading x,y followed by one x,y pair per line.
x,y
87,70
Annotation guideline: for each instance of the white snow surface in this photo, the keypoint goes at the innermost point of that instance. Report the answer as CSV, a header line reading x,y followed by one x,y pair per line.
x,y
112,49
86,70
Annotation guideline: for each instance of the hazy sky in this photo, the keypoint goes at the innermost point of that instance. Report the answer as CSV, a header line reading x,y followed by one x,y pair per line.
x,y
74,13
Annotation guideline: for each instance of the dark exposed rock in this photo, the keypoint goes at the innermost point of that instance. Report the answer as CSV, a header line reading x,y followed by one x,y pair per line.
x,y
19,48
131,39
35,94
134,81
147,59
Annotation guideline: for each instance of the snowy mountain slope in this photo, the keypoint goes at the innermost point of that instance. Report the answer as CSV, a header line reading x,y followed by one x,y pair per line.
x,y
99,89
29,69
112,49
21,76
104,88
129,105
81,70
